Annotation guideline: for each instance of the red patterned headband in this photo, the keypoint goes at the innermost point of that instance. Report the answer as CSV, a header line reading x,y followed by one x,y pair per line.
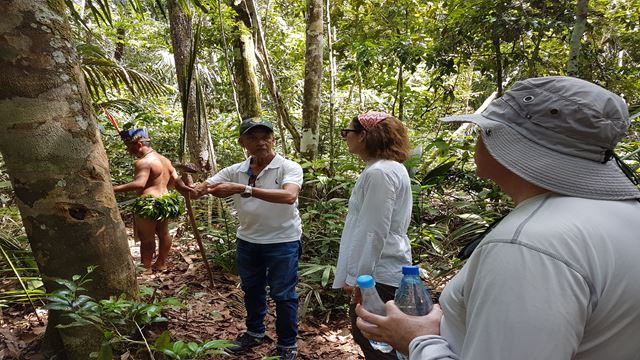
x,y
371,118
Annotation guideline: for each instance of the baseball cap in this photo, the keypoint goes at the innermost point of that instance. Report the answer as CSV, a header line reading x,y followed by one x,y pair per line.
x,y
250,123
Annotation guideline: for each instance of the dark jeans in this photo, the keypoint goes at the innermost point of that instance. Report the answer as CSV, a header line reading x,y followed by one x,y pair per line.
x,y
275,265
386,293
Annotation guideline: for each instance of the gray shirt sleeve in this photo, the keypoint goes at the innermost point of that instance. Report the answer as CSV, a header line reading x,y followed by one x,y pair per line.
x,y
430,348
519,303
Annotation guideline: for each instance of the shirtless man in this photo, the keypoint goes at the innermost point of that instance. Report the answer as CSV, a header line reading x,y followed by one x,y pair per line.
x,y
156,206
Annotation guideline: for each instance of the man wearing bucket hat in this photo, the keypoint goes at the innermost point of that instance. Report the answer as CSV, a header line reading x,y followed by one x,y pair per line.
x,y
557,277
156,206
264,189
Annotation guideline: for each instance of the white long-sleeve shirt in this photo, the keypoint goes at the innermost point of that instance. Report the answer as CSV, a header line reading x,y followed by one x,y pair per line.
x,y
374,240
558,279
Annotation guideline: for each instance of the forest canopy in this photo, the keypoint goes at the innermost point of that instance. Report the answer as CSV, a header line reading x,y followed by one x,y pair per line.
x,y
190,70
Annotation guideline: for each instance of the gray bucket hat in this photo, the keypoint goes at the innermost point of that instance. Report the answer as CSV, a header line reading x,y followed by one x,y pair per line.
x,y
558,133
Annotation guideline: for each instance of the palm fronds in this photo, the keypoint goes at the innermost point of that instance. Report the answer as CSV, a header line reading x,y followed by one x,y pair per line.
x,y
20,280
103,74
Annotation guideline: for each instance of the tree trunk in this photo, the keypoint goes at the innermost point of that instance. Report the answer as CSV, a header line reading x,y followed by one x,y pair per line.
x,y
119,51
582,8
58,167
312,80
332,96
498,53
244,63
197,129
399,97
265,68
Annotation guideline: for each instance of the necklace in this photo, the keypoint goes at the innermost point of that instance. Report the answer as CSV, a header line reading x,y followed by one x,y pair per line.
x,y
147,153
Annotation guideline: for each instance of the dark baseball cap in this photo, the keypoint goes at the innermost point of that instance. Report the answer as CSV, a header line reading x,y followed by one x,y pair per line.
x,y
250,123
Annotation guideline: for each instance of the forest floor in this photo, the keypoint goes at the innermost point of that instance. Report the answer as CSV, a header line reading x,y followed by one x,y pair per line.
x,y
208,314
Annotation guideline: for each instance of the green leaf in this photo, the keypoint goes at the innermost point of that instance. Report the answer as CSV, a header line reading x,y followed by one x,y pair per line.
x,y
106,352
163,341
69,284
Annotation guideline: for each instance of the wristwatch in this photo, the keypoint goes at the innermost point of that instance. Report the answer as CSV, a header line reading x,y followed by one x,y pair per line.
x,y
247,192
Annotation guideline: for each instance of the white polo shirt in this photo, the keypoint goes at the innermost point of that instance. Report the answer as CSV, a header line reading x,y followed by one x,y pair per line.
x,y
264,222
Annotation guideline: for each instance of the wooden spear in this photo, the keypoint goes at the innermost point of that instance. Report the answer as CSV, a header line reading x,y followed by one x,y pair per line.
x,y
185,169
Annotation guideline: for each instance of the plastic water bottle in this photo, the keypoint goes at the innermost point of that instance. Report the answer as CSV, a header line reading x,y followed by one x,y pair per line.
x,y
373,304
412,297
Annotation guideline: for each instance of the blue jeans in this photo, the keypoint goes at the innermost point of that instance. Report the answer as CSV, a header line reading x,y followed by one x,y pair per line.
x,y
275,265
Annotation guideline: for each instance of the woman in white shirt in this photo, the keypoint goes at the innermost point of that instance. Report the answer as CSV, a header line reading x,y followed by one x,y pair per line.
x,y
374,240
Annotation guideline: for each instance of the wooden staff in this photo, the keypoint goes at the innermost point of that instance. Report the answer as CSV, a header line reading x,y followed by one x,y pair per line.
x,y
186,178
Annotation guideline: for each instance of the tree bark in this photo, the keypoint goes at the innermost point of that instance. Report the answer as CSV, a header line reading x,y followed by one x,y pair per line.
x,y
197,129
399,97
244,63
312,80
332,95
582,8
119,51
56,162
498,53
265,67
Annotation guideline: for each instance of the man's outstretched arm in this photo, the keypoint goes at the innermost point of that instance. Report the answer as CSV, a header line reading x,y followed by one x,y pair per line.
x,y
184,189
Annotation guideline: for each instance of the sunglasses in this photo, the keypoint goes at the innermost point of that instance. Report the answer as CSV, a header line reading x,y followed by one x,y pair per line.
x,y
344,132
252,180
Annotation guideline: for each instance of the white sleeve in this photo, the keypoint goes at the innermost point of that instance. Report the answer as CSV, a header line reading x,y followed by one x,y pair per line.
x,y
373,224
223,175
521,303
292,173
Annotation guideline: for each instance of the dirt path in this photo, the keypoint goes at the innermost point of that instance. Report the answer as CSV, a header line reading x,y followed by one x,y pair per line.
x,y
208,314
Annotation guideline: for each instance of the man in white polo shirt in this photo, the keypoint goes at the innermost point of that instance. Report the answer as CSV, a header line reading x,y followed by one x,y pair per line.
x,y
264,189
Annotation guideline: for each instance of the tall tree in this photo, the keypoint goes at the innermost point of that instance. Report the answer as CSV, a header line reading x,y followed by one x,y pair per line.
x,y
244,63
332,88
58,167
265,68
197,129
582,7
312,80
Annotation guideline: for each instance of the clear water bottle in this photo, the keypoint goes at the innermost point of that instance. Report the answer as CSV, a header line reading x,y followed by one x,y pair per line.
x,y
372,303
412,297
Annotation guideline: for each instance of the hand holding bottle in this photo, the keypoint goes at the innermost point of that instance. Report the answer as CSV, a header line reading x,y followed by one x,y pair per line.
x,y
397,328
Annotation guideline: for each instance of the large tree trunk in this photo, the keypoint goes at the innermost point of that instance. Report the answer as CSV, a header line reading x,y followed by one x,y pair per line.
x,y
582,7
197,129
244,63
312,81
58,167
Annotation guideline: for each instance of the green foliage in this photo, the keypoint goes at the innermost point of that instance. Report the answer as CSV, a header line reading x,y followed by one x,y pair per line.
x,y
167,206
221,247
453,54
189,350
103,74
120,320
20,281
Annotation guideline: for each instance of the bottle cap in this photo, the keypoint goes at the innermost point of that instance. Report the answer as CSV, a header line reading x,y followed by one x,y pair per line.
x,y
366,281
410,270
